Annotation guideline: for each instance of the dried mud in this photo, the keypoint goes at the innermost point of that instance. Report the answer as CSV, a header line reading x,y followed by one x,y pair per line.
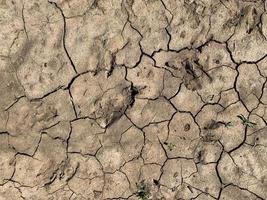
x,y
133,99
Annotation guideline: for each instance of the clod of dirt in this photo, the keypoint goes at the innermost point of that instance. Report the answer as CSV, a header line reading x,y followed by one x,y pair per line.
x,y
103,101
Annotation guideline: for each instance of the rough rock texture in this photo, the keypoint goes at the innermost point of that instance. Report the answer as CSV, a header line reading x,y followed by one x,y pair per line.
x,y
133,99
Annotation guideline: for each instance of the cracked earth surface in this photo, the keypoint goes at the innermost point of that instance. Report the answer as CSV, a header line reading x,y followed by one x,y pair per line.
x,y
133,99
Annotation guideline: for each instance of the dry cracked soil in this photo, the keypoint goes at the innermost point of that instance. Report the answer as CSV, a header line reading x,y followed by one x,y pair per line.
x,y
133,99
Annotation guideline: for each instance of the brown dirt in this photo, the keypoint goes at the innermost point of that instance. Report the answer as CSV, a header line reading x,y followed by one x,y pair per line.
x,y
133,99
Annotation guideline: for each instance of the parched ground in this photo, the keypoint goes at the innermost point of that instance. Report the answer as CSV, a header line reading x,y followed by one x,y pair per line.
x,y
133,99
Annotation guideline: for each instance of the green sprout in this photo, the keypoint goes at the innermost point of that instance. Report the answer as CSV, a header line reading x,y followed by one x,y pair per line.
x,y
229,124
246,122
170,145
143,191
